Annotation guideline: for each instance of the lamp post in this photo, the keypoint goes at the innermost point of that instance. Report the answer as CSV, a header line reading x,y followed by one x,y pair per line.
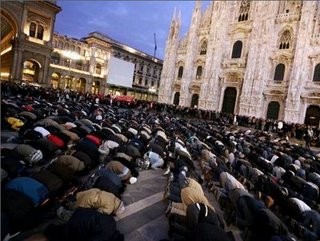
x,y
71,56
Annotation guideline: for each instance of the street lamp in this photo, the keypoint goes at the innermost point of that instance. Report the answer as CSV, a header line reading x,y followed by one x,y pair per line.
x,y
71,56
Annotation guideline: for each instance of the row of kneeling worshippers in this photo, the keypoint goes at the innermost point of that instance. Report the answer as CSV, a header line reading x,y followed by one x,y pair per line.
x,y
265,186
67,164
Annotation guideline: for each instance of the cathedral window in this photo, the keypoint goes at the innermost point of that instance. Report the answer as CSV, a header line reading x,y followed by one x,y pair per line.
x,y
66,46
32,30
279,72
98,69
140,81
285,40
199,72
203,47
146,82
236,50
316,74
244,11
180,72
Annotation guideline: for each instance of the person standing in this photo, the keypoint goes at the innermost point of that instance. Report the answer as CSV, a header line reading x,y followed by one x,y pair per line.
x,y
308,136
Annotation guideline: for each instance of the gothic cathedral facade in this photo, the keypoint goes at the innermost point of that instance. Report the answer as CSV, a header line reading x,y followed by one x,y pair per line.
x,y
254,58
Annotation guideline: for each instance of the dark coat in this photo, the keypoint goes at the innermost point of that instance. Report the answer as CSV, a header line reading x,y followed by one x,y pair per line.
x,y
88,224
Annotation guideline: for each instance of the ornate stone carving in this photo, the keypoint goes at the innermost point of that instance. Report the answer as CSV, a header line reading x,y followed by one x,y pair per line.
x,y
261,35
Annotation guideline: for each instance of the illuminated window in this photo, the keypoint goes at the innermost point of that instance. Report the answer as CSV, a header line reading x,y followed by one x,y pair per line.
x,y
98,69
32,30
40,32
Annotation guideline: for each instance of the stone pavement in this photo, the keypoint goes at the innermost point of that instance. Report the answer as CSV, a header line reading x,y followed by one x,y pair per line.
x,y
144,219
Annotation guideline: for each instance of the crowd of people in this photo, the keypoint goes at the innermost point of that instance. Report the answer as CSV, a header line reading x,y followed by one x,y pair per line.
x,y
307,135
74,154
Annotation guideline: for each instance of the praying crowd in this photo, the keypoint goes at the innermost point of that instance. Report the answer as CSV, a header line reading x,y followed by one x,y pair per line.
x,y
72,156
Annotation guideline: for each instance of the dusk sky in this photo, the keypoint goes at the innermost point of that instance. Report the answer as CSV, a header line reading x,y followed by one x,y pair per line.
x,y
129,22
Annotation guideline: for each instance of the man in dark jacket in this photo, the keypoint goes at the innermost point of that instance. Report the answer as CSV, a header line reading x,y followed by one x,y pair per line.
x,y
86,225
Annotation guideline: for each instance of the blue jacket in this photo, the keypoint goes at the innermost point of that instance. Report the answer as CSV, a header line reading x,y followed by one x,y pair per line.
x,y
30,187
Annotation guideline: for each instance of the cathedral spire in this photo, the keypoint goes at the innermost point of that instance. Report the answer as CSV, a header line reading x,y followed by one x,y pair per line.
x,y
179,18
175,24
174,14
198,5
196,14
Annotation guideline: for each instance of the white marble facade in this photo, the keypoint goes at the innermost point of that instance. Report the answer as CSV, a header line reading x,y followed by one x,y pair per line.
x,y
240,56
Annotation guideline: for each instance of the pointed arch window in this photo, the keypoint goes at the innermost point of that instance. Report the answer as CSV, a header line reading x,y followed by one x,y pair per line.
x,y
316,74
244,11
279,72
199,72
180,72
203,47
285,40
237,49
